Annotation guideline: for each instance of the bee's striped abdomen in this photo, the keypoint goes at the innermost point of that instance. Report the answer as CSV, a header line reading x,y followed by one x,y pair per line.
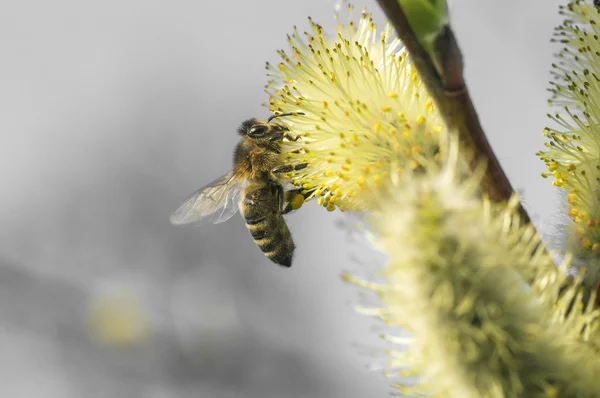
x,y
260,209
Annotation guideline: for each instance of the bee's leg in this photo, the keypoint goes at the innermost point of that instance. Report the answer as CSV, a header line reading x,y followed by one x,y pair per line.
x,y
289,167
289,137
290,195
277,189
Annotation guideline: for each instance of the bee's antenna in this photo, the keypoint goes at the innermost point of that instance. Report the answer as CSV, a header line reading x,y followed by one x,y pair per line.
x,y
284,114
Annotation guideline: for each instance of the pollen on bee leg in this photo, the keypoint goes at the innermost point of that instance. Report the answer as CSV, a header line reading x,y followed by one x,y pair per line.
x,y
297,201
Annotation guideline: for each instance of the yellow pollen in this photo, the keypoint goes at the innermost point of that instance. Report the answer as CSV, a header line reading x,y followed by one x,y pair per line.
x,y
297,201
406,133
377,179
307,186
330,208
421,119
346,167
592,223
393,95
586,243
338,192
321,200
348,160
329,173
551,391
386,108
333,187
416,150
429,106
392,131
573,212
377,127
325,105
318,192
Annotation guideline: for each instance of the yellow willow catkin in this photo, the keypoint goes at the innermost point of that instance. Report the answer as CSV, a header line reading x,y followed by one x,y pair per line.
x,y
572,154
358,92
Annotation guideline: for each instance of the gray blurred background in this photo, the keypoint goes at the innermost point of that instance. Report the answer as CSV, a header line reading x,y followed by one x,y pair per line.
x,y
111,113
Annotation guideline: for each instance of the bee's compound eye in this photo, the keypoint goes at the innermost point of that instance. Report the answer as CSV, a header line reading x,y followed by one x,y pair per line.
x,y
257,130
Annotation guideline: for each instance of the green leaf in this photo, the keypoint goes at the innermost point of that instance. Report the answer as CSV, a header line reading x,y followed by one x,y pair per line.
x,y
426,18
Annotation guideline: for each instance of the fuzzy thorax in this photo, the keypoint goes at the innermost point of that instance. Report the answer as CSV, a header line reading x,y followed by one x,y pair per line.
x,y
366,112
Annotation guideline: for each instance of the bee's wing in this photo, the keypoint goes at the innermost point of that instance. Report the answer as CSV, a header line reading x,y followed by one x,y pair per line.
x,y
214,203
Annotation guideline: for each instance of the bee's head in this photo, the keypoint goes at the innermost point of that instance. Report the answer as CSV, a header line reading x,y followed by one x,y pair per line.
x,y
261,129
257,129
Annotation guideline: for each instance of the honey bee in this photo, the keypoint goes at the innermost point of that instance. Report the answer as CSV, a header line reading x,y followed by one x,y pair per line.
x,y
252,186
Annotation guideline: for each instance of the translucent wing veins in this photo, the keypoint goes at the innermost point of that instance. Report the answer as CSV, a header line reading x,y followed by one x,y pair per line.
x,y
214,203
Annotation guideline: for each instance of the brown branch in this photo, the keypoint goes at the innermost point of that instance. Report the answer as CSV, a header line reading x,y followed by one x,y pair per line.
x,y
447,87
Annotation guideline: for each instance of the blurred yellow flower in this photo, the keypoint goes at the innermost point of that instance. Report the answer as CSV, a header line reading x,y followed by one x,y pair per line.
x,y
455,280
117,318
